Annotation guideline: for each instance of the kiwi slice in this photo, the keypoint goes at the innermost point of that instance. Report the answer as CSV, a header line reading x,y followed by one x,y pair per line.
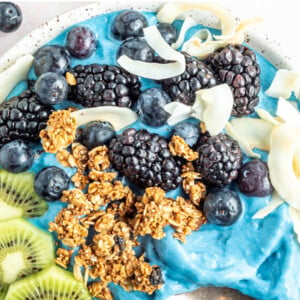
x,y
51,283
3,290
18,198
24,249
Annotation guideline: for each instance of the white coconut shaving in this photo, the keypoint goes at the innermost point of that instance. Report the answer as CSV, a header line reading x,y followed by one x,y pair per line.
x,y
287,112
178,112
265,115
151,70
284,83
275,202
119,117
14,74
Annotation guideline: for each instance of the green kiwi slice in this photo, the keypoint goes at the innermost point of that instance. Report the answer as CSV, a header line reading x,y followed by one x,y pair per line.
x,y
51,283
24,249
3,290
18,198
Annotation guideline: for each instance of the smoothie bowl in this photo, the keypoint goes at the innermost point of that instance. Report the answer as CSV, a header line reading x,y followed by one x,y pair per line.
x,y
145,155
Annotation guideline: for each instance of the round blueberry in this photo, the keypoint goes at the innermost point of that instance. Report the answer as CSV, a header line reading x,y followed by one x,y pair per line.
x,y
50,182
188,131
137,49
254,180
16,156
97,134
81,42
128,24
168,32
222,207
51,88
52,58
10,17
150,107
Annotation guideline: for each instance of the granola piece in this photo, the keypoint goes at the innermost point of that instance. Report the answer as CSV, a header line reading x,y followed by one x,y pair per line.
x,y
68,229
100,290
78,202
98,158
197,193
70,78
178,147
102,176
188,167
91,218
86,257
65,158
60,131
80,180
63,257
81,156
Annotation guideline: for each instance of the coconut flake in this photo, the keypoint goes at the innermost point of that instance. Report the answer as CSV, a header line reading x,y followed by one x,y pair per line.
x,y
246,148
295,216
284,83
119,117
265,115
255,132
213,106
287,112
187,24
155,71
14,74
178,112
271,206
285,143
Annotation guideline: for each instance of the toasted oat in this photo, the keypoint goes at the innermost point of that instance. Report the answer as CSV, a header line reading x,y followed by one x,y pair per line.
x,y
81,156
99,290
79,203
197,193
202,128
65,158
71,80
178,147
188,167
102,176
98,159
80,180
63,257
60,131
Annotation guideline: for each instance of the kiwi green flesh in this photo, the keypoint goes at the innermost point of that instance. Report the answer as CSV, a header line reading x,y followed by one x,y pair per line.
x,y
3,290
51,283
18,198
24,249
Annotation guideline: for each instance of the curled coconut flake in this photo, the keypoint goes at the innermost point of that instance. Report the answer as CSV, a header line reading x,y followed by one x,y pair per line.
x,y
14,74
255,132
213,106
295,216
271,206
156,71
187,24
287,112
178,112
119,117
284,83
265,115
246,148
283,162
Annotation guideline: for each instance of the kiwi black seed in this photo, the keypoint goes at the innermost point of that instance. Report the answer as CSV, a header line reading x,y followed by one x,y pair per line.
x,y
18,198
24,249
51,283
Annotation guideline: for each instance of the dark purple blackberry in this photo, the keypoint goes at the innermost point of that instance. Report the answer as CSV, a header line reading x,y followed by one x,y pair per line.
x,y
145,159
98,85
197,76
219,160
236,65
22,118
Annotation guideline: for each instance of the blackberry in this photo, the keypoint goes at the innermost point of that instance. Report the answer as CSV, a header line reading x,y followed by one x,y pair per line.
x,y
219,160
22,117
196,76
98,85
236,65
145,159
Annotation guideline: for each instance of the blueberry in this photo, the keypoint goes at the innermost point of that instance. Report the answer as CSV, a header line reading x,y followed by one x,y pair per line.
x,y
150,107
137,49
254,180
97,134
50,182
51,88
16,156
128,24
168,32
81,42
188,131
222,207
52,58
10,17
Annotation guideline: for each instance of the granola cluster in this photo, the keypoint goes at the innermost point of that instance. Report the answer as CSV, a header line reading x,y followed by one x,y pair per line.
x,y
103,219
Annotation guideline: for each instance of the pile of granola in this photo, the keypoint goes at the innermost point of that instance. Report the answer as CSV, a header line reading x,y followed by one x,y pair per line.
x,y
104,218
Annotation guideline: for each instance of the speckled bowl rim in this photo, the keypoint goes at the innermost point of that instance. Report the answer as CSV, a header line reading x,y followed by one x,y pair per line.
x,y
258,40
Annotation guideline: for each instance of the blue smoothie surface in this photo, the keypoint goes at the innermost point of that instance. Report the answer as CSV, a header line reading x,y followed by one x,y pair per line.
x,y
260,258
